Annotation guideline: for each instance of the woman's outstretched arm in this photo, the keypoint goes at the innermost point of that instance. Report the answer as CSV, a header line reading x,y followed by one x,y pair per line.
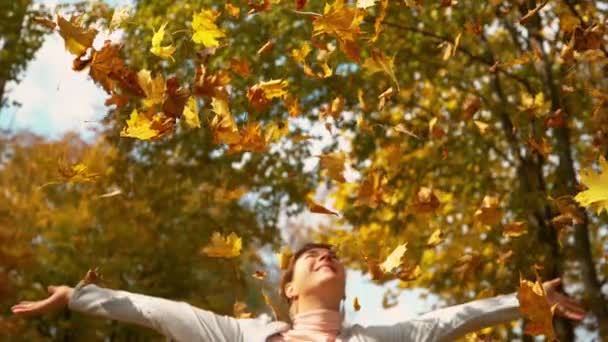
x,y
455,321
176,320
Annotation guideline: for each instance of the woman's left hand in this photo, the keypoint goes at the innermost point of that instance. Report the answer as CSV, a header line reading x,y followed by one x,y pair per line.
x,y
566,306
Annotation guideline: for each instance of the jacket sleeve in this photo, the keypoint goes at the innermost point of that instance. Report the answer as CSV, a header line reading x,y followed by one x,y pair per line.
x,y
452,322
176,320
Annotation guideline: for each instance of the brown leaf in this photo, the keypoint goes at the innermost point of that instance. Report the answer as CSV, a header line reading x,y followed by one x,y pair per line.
x,y
319,209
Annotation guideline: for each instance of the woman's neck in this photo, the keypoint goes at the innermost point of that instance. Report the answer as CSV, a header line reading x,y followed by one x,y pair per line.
x,y
310,303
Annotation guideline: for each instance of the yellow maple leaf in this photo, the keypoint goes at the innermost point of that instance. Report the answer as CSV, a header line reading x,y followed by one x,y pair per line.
x,y
299,55
251,139
154,88
191,113
223,247
339,20
206,32
274,88
276,130
141,127
378,62
77,39
394,260
596,196
222,125
334,164
76,173
342,22
159,50
489,213
533,305
436,238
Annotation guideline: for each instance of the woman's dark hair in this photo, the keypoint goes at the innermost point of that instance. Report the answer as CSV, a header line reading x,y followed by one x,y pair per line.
x,y
288,273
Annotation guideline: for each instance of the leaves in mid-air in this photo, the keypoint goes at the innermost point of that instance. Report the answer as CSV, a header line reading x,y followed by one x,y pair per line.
x,y
223,247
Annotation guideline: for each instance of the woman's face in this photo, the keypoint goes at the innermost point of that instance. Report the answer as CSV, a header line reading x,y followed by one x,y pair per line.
x,y
318,272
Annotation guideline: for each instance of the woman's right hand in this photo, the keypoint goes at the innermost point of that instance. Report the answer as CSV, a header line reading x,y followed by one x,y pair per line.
x,y
59,298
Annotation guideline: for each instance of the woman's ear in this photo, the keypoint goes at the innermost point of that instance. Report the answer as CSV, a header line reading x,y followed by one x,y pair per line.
x,y
290,291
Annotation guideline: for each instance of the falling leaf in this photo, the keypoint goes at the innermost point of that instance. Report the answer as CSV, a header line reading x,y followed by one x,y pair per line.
x,y
251,139
596,195
119,16
356,305
299,55
276,130
232,10
436,238
111,194
482,126
435,130
284,257
77,39
393,261
191,114
274,88
77,173
532,12
534,305
240,310
389,299
293,105
489,213
514,229
141,127
382,10
542,146
154,88
105,64
240,67
256,7
470,106
378,62
267,47
157,39
259,274
366,3
385,95
222,125
315,207
370,190
425,201
223,247
334,164
342,22
205,31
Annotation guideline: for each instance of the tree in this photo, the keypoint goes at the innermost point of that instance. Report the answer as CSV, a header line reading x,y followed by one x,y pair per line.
x,y
20,38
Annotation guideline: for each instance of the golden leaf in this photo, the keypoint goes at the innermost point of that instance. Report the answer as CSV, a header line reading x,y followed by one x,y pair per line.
x,y
315,207
284,257
334,164
488,213
394,260
514,229
596,196
153,88
159,50
205,31
191,113
77,39
141,127
223,247
534,305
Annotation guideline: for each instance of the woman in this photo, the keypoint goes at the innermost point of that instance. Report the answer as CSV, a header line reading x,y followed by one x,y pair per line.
x,y
313,284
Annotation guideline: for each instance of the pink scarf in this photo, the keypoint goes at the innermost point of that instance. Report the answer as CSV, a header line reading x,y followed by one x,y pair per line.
x,y
315,325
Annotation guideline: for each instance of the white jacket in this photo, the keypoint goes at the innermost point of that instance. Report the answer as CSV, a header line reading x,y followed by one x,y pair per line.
x,y
182,322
